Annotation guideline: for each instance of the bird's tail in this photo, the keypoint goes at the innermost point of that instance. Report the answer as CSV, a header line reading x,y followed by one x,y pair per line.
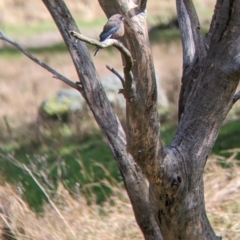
x,y
96,52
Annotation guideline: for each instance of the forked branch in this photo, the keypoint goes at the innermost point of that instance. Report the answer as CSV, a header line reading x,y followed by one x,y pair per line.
x,y
117,74
193,47
42,64
107,43
190,27
196,29
105,117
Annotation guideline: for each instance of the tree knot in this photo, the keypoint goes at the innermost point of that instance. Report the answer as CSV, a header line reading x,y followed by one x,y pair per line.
x,y
175,182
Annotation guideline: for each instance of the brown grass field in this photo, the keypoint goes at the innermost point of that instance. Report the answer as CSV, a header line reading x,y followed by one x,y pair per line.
x,y
23,87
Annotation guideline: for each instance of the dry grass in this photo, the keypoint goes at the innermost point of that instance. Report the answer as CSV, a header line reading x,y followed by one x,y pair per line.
x,y
110,221
222,188
115,219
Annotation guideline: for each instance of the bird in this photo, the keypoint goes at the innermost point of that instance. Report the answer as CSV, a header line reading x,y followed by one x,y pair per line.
x,y
114,28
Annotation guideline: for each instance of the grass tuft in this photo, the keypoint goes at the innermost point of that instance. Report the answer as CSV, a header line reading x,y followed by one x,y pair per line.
x,y
69,214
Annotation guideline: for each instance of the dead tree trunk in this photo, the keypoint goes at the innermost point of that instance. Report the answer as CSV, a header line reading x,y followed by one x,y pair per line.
x,y
210,78
92,91
172,206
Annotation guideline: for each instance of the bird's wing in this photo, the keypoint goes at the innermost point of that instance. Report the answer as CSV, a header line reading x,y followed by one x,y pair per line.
x,y
108,32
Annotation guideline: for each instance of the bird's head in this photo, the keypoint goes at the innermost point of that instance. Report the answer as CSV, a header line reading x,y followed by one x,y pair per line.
x,y
116,17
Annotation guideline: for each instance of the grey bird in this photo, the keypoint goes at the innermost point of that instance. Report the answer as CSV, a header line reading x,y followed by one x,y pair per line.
x,y
114,28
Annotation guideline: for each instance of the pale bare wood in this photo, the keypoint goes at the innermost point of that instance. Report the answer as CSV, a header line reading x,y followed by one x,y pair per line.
x,y
107,43
92,91
196,29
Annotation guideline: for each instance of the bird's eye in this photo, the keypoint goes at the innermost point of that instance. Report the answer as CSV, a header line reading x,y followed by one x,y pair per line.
x,y
122,18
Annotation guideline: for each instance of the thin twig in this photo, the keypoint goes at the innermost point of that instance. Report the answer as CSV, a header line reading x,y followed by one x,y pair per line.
x,y
107,43
236,97
44,65
117,74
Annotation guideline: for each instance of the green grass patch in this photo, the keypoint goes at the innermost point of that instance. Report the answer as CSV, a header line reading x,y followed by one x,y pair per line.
x,y
228,138
164,35
13,53
167,133
28,30
86,163
10,53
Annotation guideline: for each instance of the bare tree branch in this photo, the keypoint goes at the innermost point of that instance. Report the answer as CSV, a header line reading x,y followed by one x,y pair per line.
x,y
141,109
186,34
225,19
117,74
236,97
107,43
226,15
217,11
33,176
128,91
193,48
195,27
44,65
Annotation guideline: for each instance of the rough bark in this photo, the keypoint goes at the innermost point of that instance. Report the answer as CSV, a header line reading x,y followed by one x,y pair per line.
x,y
95,96
142,116
208,86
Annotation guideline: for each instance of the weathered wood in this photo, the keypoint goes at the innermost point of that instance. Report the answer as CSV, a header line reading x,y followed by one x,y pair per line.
x,y
107,43
186,34
208,85
96,99
195,28
208,88
142,115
